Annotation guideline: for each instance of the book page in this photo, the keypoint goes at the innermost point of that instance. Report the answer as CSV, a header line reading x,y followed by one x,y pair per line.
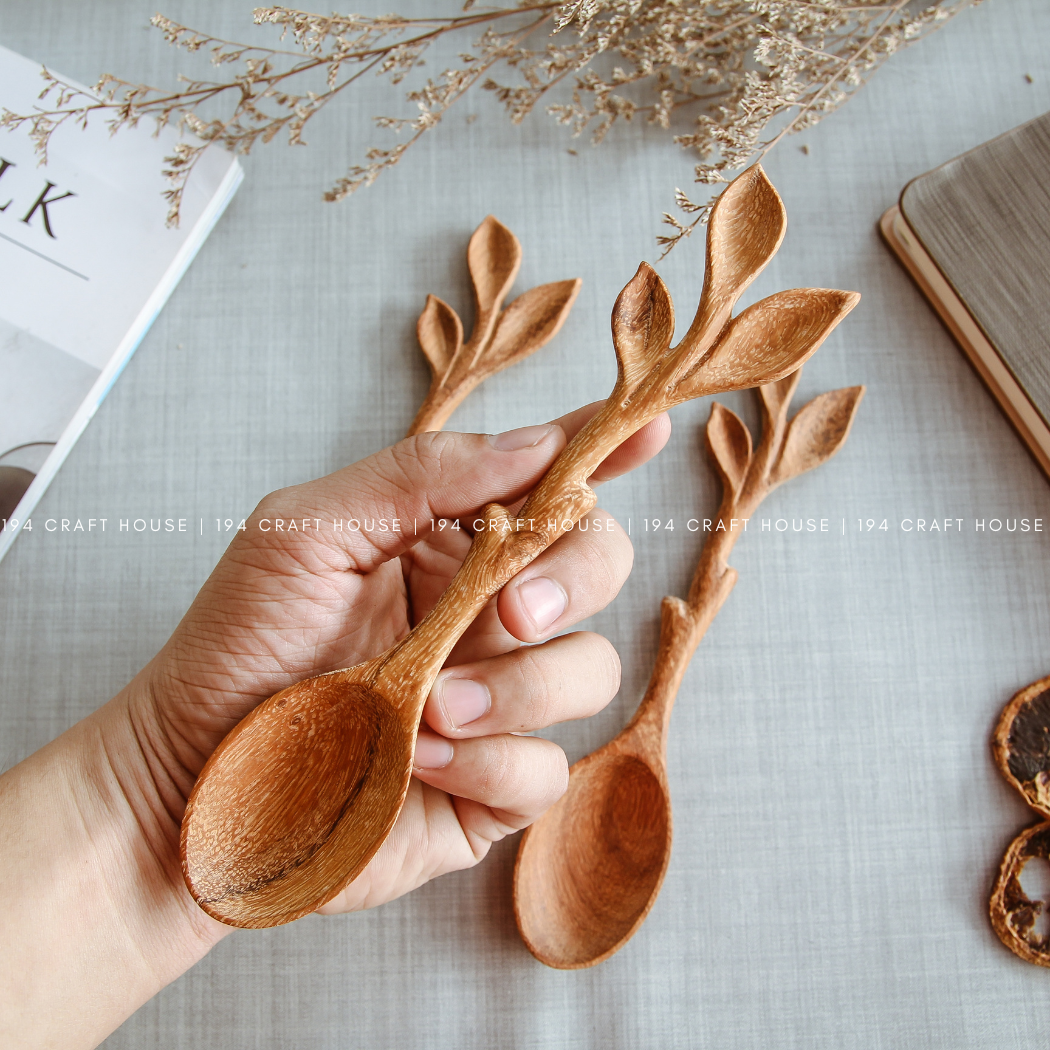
x,y
87,261
83,241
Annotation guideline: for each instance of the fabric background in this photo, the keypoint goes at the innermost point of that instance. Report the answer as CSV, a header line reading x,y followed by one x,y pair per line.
x,y
838,819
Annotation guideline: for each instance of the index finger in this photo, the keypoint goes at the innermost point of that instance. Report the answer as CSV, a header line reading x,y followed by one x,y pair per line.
x,y
636,450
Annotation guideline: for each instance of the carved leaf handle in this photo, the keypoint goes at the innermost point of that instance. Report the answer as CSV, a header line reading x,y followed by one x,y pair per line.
x,y
766,343
729,442
772,338
744,232
642,329
500,337
493,258
776,398
531,321
440,334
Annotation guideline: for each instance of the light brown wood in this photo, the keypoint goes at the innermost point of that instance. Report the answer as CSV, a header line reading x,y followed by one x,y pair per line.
x,y
590,869
318,773
500,338
1018,408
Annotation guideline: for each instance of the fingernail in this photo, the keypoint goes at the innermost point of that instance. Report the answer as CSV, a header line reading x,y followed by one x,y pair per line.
x,y
432,751
523,437
464,701
543,601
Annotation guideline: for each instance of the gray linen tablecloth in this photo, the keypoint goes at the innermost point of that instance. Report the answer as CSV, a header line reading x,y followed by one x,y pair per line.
x,y
838,817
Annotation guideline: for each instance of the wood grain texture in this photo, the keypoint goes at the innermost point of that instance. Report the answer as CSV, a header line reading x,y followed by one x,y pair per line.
x,y
1002,384
341,712
589,871
501,337
236,878
984,219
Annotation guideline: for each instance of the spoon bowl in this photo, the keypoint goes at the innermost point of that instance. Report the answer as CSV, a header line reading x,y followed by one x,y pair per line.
x,y
303,791
611,836
244,861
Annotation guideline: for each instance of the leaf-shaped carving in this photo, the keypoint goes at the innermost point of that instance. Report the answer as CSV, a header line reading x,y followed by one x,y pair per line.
x,y
817,432
499,338
440,334
729,442
493,258
642,326
768,341
532,320
746,227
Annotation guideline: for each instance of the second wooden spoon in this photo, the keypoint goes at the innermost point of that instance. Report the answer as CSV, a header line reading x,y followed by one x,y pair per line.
x,y
591,868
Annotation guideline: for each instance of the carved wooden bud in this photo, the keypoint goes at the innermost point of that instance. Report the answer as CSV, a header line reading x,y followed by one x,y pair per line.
x,y
440,334
642,327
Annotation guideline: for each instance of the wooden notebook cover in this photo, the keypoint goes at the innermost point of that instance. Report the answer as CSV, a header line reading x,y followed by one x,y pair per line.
x,y
984,219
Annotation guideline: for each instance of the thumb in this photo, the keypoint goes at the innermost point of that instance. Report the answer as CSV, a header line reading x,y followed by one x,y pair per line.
x,y
376,509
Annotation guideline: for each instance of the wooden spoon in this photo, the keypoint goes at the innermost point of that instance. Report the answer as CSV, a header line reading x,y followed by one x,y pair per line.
x,y
589,870
302,792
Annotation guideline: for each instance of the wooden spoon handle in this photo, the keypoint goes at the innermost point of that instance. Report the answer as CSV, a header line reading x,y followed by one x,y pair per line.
x,y
502,549
765,343
498,551
682,626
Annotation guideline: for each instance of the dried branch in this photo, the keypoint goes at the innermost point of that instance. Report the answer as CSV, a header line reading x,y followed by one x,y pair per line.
x,y
745,72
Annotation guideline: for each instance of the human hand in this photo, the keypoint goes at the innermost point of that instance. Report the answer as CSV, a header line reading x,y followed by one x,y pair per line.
x,y
97,916
283,605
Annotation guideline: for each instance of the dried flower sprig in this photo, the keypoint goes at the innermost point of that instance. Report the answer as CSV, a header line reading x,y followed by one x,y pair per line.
x,y
747,72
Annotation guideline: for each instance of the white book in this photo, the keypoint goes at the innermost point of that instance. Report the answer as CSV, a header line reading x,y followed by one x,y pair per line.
x,y
87,264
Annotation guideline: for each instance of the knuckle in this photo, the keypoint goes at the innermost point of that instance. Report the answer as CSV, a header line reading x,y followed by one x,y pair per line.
x,y
413,469
539,680
609,556
605,668
621,549
275,503
535,773
498,767
429,453
397,469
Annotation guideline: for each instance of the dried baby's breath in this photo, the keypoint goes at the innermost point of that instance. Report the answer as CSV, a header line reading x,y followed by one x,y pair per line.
x,y
726,79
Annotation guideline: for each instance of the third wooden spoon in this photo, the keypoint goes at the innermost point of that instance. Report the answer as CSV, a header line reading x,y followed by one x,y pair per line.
x,y
591,867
